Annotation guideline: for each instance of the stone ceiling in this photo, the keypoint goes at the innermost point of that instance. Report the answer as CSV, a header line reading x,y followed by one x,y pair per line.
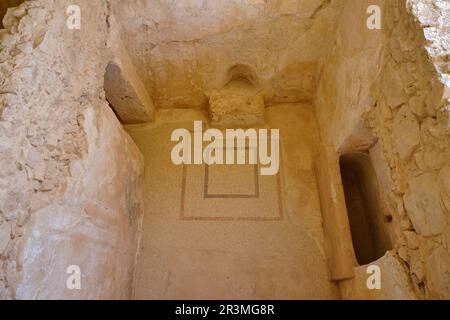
x,y
183,48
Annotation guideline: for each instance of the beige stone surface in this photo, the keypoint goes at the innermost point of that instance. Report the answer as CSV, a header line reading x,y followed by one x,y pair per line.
x,y
338,240
395,283
397,88
124,90
230,192
222,259
423,203
238,104
444,186
93,227
122,96
438,274
5,4
70,176
282,41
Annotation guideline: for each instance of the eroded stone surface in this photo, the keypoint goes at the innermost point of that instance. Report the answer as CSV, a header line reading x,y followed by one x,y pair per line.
x,y
238,104
70,176
439,274
124,90
121,94
406,106
395,283
444,186
423,204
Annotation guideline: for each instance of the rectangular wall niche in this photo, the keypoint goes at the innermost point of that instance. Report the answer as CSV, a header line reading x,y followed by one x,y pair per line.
x,y
362,197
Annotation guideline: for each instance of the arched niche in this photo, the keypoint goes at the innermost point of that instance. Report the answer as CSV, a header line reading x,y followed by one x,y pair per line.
x,y
242,73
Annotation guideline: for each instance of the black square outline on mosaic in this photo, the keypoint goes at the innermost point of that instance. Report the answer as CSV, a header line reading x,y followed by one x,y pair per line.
x,y
207,195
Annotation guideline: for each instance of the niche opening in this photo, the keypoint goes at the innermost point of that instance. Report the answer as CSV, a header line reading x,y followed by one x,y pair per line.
x,y
362,198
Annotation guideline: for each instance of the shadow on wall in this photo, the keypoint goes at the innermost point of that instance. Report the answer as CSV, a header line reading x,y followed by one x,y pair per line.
x,y
241,71
362,197
126,95
4,5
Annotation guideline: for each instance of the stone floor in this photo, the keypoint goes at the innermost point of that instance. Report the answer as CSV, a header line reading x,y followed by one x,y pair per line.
x,y
266,247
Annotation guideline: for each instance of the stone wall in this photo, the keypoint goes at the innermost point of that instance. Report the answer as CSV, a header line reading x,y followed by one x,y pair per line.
x,y
4,5
185,48
70,176
124,89
393,81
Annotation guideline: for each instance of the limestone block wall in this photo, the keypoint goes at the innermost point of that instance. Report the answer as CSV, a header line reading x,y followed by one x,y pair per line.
x,y
393,81
70,188
345,82
124,89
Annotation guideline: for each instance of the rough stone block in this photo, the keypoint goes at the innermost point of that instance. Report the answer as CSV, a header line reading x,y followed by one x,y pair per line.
x,y
238,104
130,101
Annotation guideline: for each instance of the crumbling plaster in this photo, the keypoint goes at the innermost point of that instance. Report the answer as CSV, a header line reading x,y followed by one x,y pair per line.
x,y
70,177
65,158
124,90
283,41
